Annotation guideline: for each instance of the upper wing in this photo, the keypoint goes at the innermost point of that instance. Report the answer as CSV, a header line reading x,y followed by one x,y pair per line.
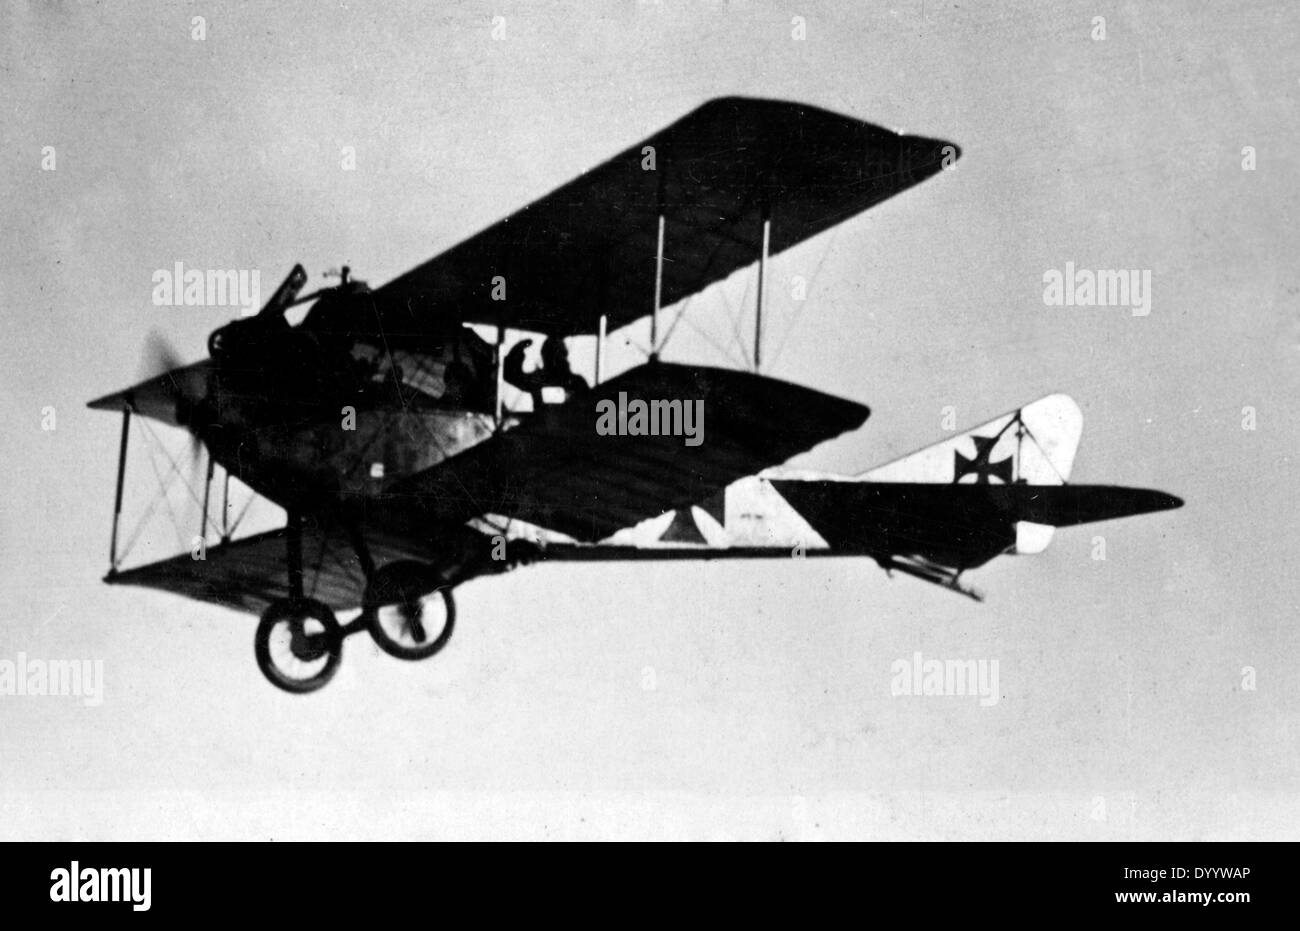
x,y
558,471
588,248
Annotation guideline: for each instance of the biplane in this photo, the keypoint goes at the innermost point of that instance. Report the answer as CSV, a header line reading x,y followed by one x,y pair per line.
x,y
377,422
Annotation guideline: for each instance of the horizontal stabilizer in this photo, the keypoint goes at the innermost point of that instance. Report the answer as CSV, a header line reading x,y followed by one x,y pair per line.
x,y
958,525
1067,505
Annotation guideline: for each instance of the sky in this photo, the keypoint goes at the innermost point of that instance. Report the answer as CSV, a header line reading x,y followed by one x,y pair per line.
x,y
1150,695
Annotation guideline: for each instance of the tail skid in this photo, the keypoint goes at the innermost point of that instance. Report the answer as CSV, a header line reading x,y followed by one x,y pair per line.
x,y
936,575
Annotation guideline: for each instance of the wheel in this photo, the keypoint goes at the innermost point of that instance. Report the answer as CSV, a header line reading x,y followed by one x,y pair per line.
x,y
409,611
298,644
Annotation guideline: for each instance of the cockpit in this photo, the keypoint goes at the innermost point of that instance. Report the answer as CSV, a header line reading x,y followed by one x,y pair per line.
x,y
340,350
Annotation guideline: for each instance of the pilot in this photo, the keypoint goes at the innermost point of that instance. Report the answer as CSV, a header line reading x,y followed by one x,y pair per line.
x,y
554,372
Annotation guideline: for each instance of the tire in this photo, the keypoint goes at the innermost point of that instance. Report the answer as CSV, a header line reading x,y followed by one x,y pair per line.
x,y
314,640
398,602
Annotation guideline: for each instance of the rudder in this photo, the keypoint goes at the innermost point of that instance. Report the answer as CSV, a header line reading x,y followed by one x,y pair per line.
x,y
1033,445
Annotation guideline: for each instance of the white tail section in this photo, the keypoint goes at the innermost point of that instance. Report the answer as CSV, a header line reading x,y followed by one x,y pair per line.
x,y
1034,445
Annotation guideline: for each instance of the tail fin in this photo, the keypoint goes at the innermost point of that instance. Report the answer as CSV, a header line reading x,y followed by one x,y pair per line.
x,y
1034,445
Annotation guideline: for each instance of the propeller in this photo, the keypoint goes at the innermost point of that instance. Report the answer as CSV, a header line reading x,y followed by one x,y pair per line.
x,y
160,356
158,360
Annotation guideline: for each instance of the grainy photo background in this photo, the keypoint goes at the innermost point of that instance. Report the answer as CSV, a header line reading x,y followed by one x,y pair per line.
x,y
1150,695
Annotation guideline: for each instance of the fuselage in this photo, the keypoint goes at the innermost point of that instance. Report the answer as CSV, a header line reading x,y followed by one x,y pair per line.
x,y
307,416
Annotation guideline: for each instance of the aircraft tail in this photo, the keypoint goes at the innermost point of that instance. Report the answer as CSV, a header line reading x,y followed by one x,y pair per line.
x,y
1034,445
997,489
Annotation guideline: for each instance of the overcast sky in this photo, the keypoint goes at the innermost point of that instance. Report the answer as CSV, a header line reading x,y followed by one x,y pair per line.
x,y
771,714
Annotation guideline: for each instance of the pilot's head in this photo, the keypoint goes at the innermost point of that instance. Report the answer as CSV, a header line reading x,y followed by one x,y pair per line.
x,y
554,352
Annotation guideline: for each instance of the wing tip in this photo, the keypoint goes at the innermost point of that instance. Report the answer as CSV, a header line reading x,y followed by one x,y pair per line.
x,y
118,400
1166,502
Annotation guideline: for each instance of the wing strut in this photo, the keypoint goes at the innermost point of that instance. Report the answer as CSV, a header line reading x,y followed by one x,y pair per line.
x,y
762,275
207,493
501,341
659,289
600,348
121,477
225,506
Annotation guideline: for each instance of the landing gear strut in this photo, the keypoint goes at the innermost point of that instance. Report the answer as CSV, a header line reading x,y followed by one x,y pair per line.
x,y
299,642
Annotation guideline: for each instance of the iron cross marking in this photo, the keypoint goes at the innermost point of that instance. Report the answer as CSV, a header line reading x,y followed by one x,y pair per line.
x,y
980,466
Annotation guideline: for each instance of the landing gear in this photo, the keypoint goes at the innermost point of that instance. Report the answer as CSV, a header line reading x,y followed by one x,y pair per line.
x,y
409,612
407,608
298,644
